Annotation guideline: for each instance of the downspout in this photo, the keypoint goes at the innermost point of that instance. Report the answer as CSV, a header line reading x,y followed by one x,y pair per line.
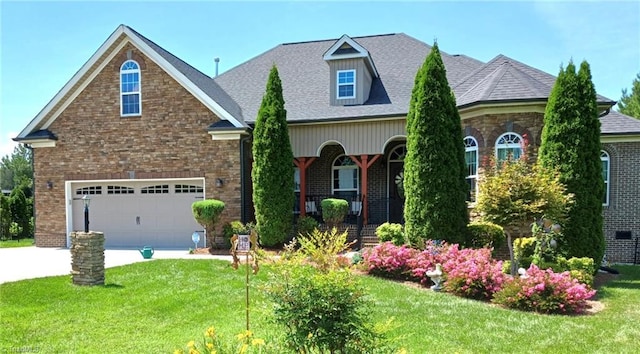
x,y
607,111
243,212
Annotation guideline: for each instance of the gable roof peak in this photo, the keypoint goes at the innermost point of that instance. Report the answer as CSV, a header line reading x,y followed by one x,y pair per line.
x,y
198,84
353,50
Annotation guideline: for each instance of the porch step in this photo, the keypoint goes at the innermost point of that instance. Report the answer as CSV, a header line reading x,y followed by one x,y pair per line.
x,y
368,236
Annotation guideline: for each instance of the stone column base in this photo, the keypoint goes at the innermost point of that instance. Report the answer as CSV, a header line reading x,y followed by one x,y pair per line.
x,y
87,258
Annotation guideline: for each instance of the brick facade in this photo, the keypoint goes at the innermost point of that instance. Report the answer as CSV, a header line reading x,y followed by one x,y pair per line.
x,y
169,140
623,211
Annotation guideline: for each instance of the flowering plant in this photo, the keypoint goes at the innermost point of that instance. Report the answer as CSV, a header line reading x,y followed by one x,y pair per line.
x,y
389,261
545,291
472,273
212,344
433,253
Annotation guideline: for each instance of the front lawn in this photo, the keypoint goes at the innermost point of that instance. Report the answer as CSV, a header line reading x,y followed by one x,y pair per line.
x,y
25,242
156,307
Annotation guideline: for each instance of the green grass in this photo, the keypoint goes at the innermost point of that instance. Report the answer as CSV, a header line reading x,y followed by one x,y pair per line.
x,y
25,242
155,307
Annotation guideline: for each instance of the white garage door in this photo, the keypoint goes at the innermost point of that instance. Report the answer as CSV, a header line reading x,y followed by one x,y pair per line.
x,y
136,214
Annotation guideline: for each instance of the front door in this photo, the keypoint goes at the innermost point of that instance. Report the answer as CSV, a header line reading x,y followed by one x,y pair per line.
x,y
396,192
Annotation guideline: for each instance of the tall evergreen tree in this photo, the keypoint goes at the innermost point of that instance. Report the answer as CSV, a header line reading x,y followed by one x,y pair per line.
x,y
571,144
629,104
273,195
434,168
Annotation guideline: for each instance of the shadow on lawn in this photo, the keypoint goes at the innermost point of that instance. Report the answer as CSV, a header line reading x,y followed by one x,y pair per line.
x,y
629,278
113,286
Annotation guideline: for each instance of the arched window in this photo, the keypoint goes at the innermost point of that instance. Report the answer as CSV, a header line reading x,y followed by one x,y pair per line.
x,y
346,177
508,146
471,159
604,158
398,153
130,103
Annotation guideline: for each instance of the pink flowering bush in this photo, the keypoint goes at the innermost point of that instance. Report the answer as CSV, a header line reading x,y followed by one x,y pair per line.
x,y
472,273
546,292
389,261
434,253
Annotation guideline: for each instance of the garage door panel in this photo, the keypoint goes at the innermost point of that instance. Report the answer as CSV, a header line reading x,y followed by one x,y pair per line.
x,y
159,218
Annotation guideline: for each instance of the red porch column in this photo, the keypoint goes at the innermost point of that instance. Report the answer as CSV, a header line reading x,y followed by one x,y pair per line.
x,y
364,163
302,163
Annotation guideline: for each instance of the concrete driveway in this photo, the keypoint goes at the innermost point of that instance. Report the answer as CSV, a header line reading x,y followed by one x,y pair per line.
x,y
35,262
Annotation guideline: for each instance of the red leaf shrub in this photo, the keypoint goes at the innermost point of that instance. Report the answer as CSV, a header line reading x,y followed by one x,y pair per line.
x,y
472,273
389,261
545,291
434,253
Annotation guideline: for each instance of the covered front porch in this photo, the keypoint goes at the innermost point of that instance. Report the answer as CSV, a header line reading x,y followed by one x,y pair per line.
x,y
361,163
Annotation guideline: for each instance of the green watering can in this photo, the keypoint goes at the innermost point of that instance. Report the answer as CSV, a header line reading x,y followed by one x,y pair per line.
x,y
146,252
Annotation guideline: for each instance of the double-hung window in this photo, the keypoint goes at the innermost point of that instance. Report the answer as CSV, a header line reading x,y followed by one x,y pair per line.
x,y
130,104
346,84
471,160
604,158
346,178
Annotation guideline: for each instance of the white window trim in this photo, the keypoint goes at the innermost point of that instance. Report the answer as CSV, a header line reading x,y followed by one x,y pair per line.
x,y
474,149
352,167
604,156
139,92
338,84
507,146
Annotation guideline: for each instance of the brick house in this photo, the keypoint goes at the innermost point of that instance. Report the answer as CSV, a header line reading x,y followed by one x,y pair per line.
x,y
144,134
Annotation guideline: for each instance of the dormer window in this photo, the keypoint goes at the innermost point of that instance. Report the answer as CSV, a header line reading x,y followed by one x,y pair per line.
x,y
130,89
346,84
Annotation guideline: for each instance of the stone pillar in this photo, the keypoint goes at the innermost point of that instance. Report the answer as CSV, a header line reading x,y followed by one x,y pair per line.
x,y
87,258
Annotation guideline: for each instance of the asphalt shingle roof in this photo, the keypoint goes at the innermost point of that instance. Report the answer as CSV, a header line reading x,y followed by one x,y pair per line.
x,y
204,82
506,79
305,78
616,123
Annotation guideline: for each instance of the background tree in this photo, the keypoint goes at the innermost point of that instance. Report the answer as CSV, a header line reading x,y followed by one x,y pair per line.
x,y
571,145
5,217
273,195
20,213
16,169
434,168
629,104
516,194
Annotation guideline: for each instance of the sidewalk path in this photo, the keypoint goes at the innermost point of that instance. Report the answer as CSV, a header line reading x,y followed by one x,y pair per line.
x,y
35,262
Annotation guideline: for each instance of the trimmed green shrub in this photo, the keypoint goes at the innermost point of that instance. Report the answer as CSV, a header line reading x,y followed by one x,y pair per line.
x,y
207,213
391,232
582,268
483,234
434,183
306,225
524,247
272,173
334,211
571,144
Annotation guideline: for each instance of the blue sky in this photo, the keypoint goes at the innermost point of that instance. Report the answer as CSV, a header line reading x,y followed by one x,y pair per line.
x,y
43,43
